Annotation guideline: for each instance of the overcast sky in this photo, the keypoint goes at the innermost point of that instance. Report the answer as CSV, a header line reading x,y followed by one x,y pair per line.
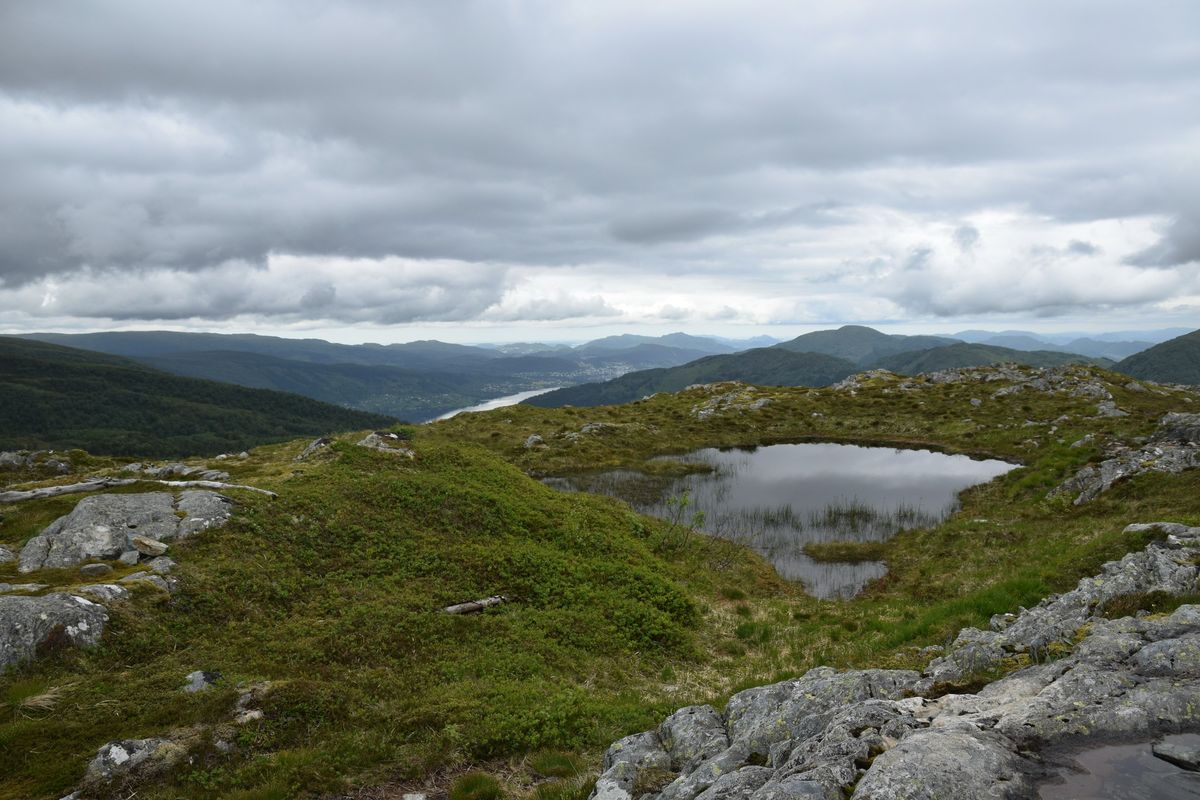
x,y
501,170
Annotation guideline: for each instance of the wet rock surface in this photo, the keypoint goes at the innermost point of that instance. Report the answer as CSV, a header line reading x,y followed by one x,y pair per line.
x,y
891,734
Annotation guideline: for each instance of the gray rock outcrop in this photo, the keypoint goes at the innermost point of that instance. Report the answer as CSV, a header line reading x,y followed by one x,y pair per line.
x,y
887,735
29,625
1174,447
387,442
103,527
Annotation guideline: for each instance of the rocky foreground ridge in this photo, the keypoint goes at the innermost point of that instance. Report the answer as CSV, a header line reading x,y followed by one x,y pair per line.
x,y
890,734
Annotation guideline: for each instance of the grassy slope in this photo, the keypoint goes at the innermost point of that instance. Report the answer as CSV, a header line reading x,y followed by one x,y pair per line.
x,y
762,365
329,590
60,397
1174,361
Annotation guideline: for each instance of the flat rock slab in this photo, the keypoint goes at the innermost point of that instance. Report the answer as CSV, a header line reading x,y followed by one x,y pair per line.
x,y
31,624
1181,755
103,527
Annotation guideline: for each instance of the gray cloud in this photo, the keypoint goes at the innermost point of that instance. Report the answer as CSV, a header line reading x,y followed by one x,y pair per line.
x,y
769,144
1180,244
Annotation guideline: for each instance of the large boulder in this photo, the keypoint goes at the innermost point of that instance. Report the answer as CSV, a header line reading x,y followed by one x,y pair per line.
x,y
964,764
31,625
102,527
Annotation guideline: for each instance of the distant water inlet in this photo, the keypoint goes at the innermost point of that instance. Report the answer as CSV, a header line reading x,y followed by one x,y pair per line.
x,y
779,498
496,402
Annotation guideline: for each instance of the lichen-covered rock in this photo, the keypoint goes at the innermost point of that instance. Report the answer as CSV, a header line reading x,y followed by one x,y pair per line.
x,y
1172,449
947,763
202,510
107,526
760,717
131,761
692,735
99,527
738,785
103,592
624,760
387,442
7,556
29,625
315,446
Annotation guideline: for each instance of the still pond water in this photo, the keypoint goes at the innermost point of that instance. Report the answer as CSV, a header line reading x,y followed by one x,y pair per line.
x,y
1122,772
778,498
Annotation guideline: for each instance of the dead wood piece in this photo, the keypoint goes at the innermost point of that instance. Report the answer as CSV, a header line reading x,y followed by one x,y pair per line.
x,y
97,484
475,606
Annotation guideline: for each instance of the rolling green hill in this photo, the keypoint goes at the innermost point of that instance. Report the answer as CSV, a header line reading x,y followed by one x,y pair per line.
x,y
860,344
61,398
1173,361
768,366
976,355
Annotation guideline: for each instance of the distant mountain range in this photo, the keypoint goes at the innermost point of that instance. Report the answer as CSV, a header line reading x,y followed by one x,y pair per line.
x,y
415,381
766,366
814,359
61,398
418,381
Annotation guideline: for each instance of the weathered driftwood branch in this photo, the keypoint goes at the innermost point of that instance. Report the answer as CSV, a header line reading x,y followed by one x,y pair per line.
x,y
216,485
93,485
97,484
474,606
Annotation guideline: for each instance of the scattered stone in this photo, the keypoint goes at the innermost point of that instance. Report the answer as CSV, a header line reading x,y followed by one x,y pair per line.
x,y
28,588
200,680
1083,442
315,446
1108,408
734,397
1186,756
132,761
533,441
147,546
387,442
161,565
975,401
1134,386
129,557
31,625
147,577
7,556
103,592
94,570
1178,428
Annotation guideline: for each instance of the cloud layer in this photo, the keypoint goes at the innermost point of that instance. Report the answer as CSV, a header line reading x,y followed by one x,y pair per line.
x,y
279,163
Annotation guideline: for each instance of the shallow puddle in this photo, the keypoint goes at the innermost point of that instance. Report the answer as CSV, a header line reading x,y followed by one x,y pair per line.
x,y
1124,772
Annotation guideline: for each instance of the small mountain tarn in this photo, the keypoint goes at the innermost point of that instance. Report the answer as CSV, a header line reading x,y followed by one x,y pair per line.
x,y
779,499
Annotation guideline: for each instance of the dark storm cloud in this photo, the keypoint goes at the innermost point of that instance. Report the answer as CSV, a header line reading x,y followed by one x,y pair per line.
x,y
149,141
